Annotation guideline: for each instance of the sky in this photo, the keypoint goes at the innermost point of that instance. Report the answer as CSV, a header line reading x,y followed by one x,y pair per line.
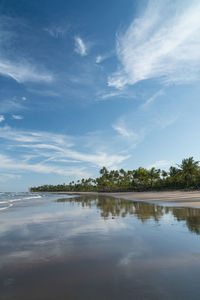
x,y
87,84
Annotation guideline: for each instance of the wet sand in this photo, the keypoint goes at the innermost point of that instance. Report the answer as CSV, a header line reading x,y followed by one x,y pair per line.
x,y
98,247
175,198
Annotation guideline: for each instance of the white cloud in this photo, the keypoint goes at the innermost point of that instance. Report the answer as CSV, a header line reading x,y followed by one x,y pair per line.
x,y
24,98
2,118
80,46
13,65
8,163
110,95
99,59
99,159
17,117
104,95
161,164
8,133
47,246
45,152
5,177
23,72
164,43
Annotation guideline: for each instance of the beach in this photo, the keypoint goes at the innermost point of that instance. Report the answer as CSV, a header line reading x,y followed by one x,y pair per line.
x,y
175,198
58,246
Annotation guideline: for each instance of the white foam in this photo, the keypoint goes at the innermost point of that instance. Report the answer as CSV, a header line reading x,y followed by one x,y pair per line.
x,y
3,208
15,200
25,198
10,201
34,197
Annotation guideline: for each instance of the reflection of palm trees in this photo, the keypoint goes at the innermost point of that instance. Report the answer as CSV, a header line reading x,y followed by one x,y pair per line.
x,y
115,207
146,211
190,215
112,207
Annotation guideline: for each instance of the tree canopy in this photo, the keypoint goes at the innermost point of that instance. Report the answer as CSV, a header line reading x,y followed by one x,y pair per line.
x,y
182,176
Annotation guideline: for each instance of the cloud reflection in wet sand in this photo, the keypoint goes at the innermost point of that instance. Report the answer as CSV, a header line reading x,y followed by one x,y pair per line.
x,y
98,248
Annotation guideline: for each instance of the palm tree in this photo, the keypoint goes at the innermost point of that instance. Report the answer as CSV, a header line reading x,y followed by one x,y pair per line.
x,y
141,177
187,175
153,175
189,168
164,174
174,176
104,172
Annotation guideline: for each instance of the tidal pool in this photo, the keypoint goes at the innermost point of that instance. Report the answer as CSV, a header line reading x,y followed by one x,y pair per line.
x,y
57,247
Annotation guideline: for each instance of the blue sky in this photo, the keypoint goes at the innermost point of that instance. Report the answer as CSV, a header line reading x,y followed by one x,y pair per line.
x,y
86,84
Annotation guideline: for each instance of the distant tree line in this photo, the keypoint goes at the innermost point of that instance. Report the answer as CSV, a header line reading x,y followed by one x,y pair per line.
x,y
183,176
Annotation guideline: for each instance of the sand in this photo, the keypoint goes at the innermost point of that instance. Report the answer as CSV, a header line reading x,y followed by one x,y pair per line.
x,y
175,198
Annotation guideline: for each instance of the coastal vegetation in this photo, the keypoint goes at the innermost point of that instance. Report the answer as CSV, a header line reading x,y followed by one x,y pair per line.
x,y
182,176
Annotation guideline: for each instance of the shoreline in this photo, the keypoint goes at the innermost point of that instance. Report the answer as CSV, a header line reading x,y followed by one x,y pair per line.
x,y
172,198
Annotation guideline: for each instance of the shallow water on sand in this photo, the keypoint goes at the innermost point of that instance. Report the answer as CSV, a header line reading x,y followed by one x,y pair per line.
x,y
58,247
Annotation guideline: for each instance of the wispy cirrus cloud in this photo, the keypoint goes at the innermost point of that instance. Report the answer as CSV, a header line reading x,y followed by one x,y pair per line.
x,y
152,98
17,65
163,43
108,95
122,129
80,46
23,71
11,134
45,152
9,163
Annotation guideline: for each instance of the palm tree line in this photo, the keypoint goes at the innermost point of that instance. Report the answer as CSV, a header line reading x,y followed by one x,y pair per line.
x,y
184,176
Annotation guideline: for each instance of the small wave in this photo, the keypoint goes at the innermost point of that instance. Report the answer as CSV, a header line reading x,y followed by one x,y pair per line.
x,y
11,199
4,208
25,198
15,200
34,197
